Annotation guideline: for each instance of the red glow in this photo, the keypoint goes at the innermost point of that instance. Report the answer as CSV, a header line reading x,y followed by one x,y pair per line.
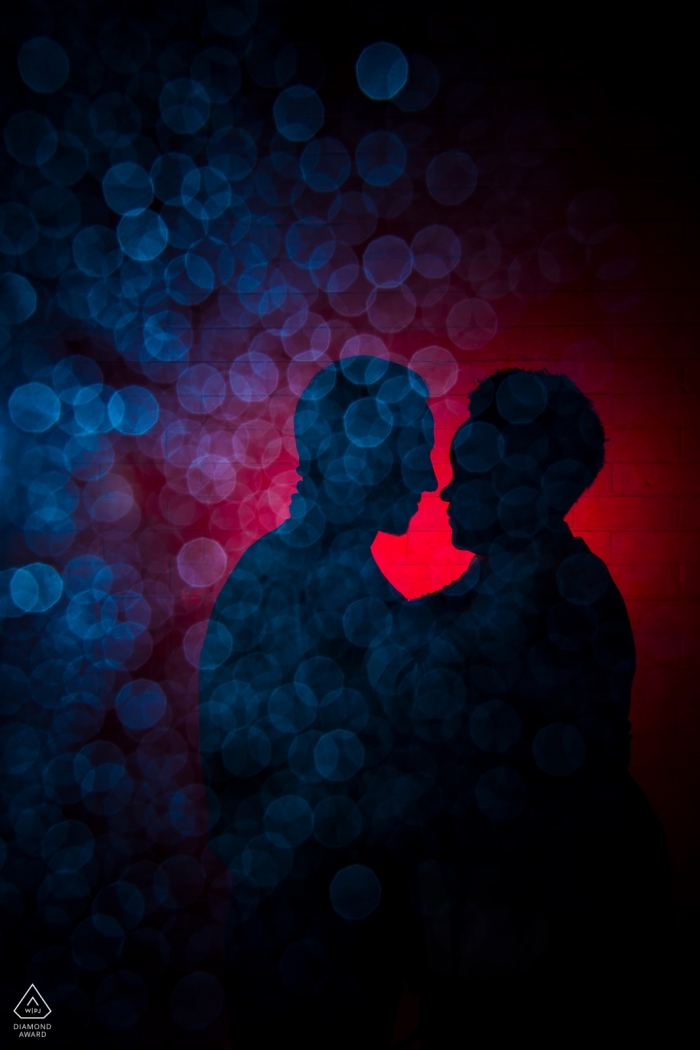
x,y
424,559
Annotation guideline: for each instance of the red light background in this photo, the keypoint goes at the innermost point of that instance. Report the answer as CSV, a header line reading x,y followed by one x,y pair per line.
x,y
640,369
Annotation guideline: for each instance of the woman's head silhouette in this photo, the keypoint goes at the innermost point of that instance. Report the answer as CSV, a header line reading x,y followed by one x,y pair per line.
x,y
532,445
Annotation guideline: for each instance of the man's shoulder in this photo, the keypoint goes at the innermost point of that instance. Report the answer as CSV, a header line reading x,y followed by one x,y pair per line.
x,y
267,560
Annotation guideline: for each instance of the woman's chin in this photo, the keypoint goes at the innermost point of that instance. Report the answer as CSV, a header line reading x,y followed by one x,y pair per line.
x,y
459,540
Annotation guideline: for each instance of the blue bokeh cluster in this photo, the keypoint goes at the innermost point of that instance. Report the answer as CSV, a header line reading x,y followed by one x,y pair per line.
x,y
144,185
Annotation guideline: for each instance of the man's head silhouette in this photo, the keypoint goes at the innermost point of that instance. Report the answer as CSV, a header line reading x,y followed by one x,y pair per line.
x,y
532,445
364,434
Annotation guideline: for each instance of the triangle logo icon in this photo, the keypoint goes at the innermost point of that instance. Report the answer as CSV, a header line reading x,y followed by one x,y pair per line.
x,y
32,1006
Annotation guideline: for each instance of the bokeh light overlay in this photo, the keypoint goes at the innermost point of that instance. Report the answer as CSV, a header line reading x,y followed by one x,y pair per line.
x,y
202,206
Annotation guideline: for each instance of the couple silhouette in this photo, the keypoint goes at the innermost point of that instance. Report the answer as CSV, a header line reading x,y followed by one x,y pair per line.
x,y
435,791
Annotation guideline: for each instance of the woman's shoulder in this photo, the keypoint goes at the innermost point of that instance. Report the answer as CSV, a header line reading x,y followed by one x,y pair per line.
x,y
583,578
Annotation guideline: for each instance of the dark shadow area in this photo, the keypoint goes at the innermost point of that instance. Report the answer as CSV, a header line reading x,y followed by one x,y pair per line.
x,y
548,898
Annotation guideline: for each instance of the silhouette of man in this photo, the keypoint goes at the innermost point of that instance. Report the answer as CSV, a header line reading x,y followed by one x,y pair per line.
x,y
300,751
546,887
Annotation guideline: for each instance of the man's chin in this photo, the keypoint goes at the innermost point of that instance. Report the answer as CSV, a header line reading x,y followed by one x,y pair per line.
x,y
398,524
395,529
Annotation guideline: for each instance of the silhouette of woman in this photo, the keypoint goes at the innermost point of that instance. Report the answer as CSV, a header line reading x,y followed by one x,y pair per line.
x,y
545,889
300,752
